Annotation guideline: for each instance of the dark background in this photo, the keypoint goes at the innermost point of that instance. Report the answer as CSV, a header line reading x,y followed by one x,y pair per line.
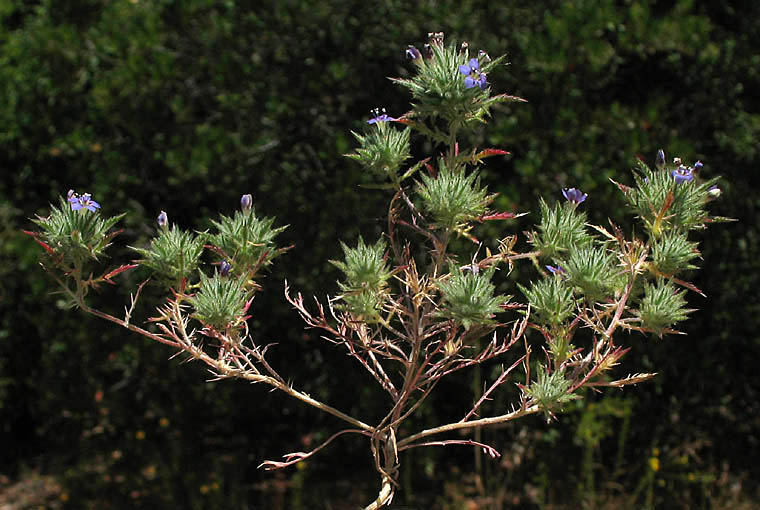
x,y
184,106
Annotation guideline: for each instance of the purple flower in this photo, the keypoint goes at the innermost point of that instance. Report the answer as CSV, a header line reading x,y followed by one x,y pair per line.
x,y
413,53
573,195
683,174
714,192
163,219
84,201
224,268
246,202
659,161
380,116
472,74
556,270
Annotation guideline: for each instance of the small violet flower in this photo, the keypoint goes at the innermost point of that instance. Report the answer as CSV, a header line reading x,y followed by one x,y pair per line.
x,y
163,219
84,201
380,116
224,268
246,202
573,195
556,270
473,76
683,174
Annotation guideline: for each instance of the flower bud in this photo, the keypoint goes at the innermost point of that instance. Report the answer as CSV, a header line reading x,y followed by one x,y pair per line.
x,y
224,268
659,161
246,201
163,219
413,53
436,38
451,347
714,192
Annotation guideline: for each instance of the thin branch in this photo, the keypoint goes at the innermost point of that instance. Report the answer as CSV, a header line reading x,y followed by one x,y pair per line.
x,y
504,418
490,450
296,457
496,384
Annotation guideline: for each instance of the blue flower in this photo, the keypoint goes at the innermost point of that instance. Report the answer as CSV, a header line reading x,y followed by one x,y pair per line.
x,y
472,73
380,116
556,270
573,195
683,174
84,201
224,268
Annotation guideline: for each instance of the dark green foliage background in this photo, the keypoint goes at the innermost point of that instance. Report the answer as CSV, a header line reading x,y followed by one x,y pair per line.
x,y
184,106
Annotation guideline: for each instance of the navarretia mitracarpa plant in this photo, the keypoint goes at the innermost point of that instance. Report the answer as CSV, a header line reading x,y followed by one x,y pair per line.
x,y
408,310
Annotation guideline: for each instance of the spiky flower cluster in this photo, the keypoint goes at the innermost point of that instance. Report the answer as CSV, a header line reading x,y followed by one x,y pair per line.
x,y
453,198
220,302
365,287
74,232
173,255
450,84
469,297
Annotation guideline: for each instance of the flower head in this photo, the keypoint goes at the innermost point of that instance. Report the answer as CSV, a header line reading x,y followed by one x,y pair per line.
x,y
84,201
573,195
163,219
380,116
683,174
556,270
246,202
224,268
472,74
